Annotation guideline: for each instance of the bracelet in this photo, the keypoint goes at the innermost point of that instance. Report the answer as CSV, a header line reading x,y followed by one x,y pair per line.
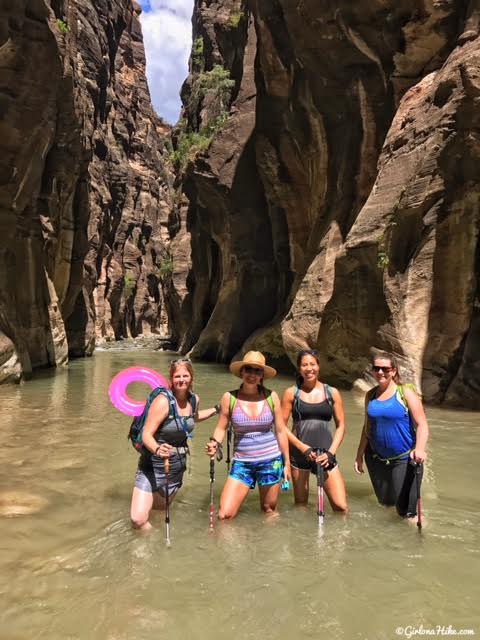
x,y
307,452
212,439
217,409
155,452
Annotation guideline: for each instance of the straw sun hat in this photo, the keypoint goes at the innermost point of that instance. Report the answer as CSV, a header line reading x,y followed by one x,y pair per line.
x,y
253,359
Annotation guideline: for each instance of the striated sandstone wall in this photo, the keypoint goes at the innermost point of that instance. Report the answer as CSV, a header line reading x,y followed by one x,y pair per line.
x,y
338,207
85,191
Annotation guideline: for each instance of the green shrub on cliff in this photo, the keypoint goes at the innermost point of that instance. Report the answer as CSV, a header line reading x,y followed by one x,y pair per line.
x,y
235,19
166,266
216,83
198,61
128,286
189,143
382,255
62,26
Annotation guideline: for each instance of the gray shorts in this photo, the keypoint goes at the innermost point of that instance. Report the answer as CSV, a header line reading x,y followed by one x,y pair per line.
x,y
150,475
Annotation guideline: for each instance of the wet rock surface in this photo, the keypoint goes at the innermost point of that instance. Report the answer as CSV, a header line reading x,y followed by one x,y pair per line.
x,y
337,207
85,178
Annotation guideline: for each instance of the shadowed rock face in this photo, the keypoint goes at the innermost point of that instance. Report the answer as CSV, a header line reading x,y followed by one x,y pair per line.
x,y
337,208
83,211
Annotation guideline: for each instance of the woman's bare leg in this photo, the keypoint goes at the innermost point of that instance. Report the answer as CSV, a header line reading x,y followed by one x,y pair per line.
x,y
335,490
300,479
233,494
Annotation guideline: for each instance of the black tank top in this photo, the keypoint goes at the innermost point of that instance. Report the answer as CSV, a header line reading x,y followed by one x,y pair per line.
x,y
312,423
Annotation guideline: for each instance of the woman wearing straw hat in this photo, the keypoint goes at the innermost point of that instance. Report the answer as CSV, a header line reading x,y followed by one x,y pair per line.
x,y
253,412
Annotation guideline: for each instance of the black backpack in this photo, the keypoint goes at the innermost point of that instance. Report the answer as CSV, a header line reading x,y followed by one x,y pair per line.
x,y
136,428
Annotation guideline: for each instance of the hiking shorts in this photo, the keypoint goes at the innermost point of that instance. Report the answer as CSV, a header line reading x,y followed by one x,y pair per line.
x,y
298,461
264,473
150,475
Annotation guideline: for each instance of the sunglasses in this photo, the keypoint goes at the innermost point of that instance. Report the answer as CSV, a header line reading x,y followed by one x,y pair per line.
x,y
384,369
180,361
254,370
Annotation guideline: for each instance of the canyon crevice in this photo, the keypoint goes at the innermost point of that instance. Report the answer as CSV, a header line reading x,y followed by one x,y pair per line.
x,y
85,193
337,208
322,190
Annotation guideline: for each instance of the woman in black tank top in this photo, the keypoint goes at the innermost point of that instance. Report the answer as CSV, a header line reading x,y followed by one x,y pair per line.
x,y
312,405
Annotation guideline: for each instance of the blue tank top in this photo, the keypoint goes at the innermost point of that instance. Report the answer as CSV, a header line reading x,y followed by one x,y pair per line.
x,y
391,432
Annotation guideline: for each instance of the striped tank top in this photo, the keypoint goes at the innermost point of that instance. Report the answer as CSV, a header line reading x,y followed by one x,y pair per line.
x,y
254,438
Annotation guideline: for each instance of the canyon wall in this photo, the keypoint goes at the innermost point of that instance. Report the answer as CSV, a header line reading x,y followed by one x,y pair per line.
x,y
337,205
85,183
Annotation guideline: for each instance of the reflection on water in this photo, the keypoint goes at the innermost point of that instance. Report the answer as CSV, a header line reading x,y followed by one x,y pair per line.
x,y
72,568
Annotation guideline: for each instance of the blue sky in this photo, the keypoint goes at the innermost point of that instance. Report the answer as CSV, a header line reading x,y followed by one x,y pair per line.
x,y
167,35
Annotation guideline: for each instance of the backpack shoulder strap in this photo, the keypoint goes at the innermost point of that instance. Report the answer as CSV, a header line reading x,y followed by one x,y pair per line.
x,y
172,405
296,397
328,394
269,399
155,393
233,401
193,403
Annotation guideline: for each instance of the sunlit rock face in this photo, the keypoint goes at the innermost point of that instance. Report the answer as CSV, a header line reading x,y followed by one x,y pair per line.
x,y
84,195
337,207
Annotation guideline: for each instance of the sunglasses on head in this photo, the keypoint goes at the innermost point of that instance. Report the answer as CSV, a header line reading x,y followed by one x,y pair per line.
x,y
377,369
180,361
248,369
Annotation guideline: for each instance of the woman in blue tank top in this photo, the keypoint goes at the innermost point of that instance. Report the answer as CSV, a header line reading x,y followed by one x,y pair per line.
x,y
389,440
312,405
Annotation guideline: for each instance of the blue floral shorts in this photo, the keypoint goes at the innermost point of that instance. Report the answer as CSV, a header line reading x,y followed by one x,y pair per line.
x,y
265,473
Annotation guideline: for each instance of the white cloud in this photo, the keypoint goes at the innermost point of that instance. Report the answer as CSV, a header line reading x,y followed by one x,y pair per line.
x,y
167,35
182,8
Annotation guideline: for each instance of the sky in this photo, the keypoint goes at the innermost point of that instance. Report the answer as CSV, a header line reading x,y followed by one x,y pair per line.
x,y
167,35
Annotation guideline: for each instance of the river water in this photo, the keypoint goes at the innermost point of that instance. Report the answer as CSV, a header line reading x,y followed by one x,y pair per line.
x,y
71,568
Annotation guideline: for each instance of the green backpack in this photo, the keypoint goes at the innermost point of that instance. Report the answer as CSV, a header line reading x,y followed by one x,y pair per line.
x,y
234,398
401,394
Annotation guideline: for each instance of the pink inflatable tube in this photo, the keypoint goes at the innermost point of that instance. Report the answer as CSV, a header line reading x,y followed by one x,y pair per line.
x,y
117,391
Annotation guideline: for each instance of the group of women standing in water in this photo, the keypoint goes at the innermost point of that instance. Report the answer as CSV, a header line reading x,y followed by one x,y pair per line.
x,y
266,452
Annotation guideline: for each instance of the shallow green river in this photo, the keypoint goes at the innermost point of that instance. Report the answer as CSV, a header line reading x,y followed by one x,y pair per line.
x,y
73,569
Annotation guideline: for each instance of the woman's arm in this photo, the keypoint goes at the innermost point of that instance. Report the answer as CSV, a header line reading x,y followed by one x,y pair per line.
x,y
222,425
287,408
339,418
281,433
418,414
157,414
205,414
362,445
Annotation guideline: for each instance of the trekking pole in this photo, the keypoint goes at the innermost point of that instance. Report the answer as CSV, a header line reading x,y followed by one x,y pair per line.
x,y
320,481
229,438
418,471
167,502
212,480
